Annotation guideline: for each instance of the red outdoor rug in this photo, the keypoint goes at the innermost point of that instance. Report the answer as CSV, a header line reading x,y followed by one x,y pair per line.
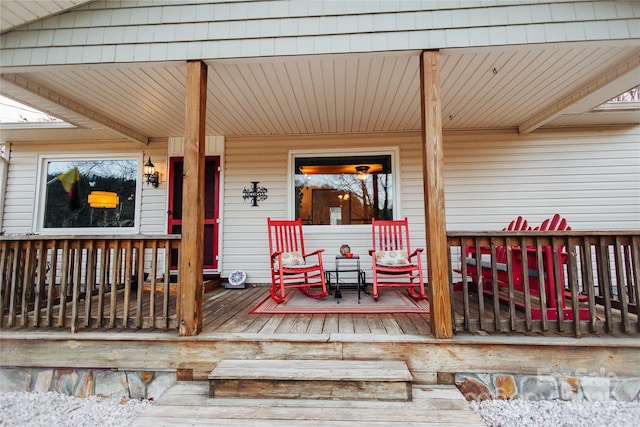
x,y
389,301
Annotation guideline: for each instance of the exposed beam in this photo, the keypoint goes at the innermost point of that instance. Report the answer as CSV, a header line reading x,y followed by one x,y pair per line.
x,y
567,104
433,178
75,107
191,249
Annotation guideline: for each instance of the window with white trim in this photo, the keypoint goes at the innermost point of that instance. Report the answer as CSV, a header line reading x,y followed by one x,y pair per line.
x,y
340,190
89,195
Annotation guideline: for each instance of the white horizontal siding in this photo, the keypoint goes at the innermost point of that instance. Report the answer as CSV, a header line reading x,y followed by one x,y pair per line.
x,y
19,202
589,177
140,31
265,160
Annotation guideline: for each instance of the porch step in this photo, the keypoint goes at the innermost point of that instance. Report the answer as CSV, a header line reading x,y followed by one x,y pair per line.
x,y
387,380
188,403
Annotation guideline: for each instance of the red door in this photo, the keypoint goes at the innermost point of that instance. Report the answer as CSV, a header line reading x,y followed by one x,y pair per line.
x,y
211,208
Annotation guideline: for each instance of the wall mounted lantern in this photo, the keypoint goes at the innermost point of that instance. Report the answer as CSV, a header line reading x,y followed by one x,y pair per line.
x,y
150,174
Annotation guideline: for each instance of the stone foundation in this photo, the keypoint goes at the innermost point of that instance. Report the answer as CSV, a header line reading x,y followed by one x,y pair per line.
x,y
548,386
107,383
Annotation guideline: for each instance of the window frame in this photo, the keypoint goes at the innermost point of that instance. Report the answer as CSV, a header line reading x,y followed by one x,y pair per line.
x,y
394,152
41,193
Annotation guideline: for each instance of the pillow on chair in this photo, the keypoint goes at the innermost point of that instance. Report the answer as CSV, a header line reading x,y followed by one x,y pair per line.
x,y
291,259
392,257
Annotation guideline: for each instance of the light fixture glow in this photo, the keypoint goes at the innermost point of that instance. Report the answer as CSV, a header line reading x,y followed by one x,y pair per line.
x,y
363,172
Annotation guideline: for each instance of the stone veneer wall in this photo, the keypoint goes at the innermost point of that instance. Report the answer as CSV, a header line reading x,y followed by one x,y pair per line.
x,y
548,386
107,383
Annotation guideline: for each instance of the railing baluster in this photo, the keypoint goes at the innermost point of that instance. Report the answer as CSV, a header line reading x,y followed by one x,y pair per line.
x,y
167,283
140,249
113,281
152,292
554,278
14,253
542,286
588,283
480,287
635,283
128,258
41,271
28,271
604,281
525,284
52,283
511,287
494,285
622,289
75,296
90,281
572,280
4,284
64,280
465,283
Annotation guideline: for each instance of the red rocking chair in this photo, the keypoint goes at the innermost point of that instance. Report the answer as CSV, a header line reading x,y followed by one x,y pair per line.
x,y
291,266
393,262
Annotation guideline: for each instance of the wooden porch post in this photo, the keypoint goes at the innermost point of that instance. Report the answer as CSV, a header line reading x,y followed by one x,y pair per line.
x,y
191,249
433,178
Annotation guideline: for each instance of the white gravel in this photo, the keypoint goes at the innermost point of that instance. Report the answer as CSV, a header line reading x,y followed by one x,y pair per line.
x,y
557,413
56,409
53,409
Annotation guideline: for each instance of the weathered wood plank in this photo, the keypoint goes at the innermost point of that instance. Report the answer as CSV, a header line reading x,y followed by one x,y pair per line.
x,y
311,379
388,370
184,403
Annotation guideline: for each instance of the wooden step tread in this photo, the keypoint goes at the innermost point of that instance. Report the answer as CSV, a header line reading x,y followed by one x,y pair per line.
x,y
312,370
311,379
186,403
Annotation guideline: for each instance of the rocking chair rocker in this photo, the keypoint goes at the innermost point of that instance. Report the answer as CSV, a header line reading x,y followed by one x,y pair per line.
x,y
291,267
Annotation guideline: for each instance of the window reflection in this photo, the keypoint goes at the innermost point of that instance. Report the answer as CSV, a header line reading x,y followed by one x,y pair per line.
x,y
343,190
91,194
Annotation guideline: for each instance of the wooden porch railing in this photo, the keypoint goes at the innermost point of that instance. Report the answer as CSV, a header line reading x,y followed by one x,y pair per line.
x,y
591,281
88,282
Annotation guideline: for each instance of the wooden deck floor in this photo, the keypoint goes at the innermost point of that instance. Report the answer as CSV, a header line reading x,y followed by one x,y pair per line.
x,y
227,311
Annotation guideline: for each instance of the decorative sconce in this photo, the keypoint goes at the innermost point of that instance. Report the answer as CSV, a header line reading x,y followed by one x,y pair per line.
x,y
255,194
150,174
363,172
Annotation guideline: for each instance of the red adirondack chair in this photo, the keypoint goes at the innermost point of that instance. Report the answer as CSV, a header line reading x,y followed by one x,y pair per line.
x,y
291,266
485,275
393,263
484,270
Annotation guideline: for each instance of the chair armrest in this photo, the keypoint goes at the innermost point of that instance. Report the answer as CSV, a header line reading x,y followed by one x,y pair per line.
x,y
316,252
416,252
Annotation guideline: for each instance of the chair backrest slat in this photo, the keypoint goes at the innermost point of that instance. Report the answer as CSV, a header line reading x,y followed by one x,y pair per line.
x,y
390,235
285,235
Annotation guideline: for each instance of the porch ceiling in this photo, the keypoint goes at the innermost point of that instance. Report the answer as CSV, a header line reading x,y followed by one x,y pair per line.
x,y
524,87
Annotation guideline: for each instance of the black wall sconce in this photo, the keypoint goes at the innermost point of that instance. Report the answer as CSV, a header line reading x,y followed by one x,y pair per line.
x,y
256,193
150,174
